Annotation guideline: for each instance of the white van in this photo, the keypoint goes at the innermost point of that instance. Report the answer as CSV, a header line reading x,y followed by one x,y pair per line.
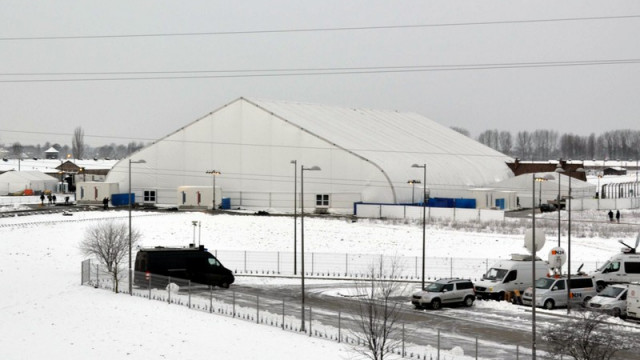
x,y
620,269
508,275
612,300
633,301
551,292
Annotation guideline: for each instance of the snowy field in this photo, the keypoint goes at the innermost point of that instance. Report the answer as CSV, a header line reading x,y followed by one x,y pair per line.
x,y
47,314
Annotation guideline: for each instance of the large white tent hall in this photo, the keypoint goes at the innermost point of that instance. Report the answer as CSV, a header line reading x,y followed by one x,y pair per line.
x,y
363,155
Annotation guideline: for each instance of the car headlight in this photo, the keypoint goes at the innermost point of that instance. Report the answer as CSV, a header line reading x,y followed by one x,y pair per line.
x,y
607,306
491,289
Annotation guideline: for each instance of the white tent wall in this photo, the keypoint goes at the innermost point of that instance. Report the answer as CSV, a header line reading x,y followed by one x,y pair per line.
x,y
16,181
365,155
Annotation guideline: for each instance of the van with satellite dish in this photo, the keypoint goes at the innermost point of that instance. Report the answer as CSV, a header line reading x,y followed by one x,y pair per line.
x,y
192,263
506,276
552,292
622,268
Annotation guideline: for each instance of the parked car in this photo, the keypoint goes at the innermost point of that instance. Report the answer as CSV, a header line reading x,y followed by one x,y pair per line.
x,y
551,292
192,263
613,300
445,292
547,208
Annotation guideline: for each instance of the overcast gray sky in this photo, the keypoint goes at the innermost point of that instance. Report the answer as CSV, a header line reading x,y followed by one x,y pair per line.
x,y
56,55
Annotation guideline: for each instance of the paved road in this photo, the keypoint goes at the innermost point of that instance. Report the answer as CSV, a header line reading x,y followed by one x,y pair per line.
x,y
499,333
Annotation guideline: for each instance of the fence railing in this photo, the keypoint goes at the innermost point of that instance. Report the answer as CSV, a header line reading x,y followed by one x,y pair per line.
x,y
410,339
359,265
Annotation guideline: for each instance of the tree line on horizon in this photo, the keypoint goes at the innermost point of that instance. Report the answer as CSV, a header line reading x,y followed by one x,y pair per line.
x,y
543,145
78,149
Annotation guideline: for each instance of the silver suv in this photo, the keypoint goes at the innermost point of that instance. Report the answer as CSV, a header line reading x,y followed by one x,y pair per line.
x,y
445,292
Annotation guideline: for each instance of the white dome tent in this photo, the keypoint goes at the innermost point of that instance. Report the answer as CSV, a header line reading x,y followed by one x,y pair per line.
x,y
364,155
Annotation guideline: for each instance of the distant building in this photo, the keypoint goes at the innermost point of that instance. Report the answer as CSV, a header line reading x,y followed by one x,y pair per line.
x,y
52,153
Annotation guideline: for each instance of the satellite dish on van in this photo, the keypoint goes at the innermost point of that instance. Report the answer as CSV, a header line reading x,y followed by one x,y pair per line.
x,y
529,241
557,258
629,249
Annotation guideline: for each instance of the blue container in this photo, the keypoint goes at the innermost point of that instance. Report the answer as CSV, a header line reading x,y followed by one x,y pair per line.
x,y
122,199
466,203
226,204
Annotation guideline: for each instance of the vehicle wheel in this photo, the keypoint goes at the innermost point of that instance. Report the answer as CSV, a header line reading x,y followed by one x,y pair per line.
x,y
586,300
224,285
468,301
500,296
549,304
600,286
436,304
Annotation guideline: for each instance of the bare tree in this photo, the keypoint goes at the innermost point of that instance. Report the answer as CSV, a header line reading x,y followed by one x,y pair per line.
x,y
77,143
524,145
377,313
17,150
506,142
587,337
109,242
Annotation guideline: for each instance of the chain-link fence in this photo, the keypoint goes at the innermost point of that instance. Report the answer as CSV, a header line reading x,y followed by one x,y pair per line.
x,y
359,265
412,340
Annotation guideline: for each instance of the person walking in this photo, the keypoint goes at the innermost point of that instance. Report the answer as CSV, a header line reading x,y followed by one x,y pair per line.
x,y
618,216
42,199
105,203
611,215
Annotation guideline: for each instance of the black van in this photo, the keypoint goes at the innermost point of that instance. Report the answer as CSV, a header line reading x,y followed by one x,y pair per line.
x,y
192,263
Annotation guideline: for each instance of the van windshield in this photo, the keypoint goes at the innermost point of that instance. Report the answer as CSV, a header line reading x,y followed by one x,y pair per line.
x,y
544,283
213,262
611,292
601,268
495,274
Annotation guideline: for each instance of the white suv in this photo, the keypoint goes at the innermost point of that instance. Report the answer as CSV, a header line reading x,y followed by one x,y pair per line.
x,y
445,292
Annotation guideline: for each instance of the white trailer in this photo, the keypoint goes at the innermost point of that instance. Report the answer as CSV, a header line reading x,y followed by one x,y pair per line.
x,y
198,197
633,301
93,192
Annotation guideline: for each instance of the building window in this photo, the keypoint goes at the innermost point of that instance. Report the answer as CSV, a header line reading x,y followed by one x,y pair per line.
x,y
150,196
322,200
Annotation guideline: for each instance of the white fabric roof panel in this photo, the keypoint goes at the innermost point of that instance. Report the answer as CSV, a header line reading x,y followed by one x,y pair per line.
x,y
365,153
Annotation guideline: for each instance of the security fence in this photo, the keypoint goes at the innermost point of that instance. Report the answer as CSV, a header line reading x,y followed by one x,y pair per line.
x,y
360,265
411,340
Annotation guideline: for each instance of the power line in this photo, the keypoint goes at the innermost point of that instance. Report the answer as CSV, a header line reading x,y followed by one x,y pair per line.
x,y
310,30
313,72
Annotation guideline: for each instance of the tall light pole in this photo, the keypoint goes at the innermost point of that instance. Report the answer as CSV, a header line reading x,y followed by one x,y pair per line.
x,y
578,170
413,187
424,200
295,218
533,260
141,161
598,192
302,170
559,170
214,173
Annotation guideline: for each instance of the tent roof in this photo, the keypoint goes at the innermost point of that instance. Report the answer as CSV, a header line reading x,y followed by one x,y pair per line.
x,y
395,140
25,176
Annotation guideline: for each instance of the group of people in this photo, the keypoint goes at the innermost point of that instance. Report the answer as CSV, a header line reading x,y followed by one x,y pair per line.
x,y
51,198
617,215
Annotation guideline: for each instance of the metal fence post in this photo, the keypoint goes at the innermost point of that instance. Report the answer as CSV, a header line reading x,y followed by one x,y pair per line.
x,y
245,261
169,290
149,286
476,348
234,304
98,275
346,264
258,309
451,267
282,314
310,319
339,326
210,298
313,255
403,340
416,267
278,266
517,352
189,290
438,344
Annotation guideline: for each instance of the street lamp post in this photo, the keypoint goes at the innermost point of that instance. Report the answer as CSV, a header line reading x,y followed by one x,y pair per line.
x,y
599,191
302,170
141,161
559,170
578,170
424,200
413,187
295,219
214,173
533,260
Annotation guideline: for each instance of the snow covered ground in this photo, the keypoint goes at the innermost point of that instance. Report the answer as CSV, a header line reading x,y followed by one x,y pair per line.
x,y
47,314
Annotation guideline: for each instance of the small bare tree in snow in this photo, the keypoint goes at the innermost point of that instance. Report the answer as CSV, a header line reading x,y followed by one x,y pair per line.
x,y
108,241
377,311
588,337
